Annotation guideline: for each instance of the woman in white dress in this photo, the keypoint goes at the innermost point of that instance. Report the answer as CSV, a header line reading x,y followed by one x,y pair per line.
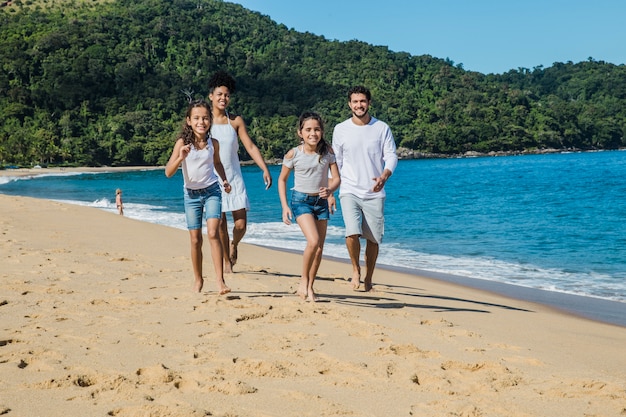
x,y
227,129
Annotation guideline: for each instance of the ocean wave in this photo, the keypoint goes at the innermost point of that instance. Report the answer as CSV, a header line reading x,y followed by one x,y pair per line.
x,y
280,236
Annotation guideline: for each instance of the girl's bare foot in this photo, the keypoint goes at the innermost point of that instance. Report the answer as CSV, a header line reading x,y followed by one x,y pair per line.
x,y
221,286
312,297
302,292
228,268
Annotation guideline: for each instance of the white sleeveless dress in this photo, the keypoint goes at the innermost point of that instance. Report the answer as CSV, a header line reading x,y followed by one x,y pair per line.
x,y
237,199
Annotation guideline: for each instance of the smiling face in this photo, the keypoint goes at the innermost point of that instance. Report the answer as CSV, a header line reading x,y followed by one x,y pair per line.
x,y
199,120
359,105
311,133
220,97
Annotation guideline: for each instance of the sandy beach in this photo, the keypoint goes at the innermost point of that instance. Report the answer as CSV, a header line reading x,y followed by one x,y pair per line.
x,y
98,319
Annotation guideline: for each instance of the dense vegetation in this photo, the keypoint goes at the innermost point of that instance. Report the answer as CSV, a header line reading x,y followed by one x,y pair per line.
x,y
103,83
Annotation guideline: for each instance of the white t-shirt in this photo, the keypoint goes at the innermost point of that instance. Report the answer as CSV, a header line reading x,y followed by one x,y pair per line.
x,y
310,170
198,170
362,154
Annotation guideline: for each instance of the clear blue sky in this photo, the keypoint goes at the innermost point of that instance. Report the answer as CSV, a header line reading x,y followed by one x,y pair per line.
x,y
489,36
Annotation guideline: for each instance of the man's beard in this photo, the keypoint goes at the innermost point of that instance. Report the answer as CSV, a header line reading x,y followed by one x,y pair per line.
x,y
354,113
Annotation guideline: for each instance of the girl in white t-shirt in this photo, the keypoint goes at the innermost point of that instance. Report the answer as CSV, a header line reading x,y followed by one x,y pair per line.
x,y
311,162
199,155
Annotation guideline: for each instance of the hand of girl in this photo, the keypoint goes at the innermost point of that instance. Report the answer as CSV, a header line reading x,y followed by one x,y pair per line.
x,y
324,192
227,187
184,151
267,179
332,204
287,216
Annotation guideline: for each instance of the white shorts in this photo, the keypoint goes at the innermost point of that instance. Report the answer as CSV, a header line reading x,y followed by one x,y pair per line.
x,y
363,217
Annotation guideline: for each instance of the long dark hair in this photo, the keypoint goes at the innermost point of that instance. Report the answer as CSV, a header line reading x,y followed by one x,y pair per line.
x,y
186,133
322,146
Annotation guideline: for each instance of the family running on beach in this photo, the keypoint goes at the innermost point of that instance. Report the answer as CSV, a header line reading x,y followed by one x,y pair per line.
x,y
359,162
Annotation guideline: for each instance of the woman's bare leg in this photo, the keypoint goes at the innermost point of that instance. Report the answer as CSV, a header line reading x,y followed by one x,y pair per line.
x,y
225,241
240,224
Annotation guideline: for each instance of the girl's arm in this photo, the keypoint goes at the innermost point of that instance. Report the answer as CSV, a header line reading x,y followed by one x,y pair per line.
x,y
335,181
282,190
333,185
179,153
252,150
217,164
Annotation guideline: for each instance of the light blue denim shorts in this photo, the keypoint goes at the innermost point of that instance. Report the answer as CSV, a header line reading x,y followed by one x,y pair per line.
x,y
363,217
201,205
315,205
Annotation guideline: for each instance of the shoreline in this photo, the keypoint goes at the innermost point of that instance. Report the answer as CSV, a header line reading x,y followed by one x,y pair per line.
x,y
597,309
25,172
584,306
99,318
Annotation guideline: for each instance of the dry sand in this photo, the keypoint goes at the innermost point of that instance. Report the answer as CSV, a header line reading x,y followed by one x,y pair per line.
x,y
97,318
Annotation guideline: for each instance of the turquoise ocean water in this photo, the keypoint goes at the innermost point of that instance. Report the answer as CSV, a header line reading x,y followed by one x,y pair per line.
x,y
554,222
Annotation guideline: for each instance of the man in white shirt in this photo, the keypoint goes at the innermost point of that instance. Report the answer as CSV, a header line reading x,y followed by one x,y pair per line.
x,y
366,156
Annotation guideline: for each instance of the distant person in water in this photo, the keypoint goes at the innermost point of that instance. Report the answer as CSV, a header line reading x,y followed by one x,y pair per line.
x,y
118,202
311,162
226,129
366,156
199,155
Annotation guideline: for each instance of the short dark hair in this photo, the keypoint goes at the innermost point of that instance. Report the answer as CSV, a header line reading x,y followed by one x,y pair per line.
x,y
222,79
359,89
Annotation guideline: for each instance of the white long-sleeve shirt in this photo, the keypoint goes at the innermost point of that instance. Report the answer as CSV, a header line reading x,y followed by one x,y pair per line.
x,y
362,154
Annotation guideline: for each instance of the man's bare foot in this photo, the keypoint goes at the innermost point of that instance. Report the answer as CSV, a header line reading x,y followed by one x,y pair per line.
x,y
198,284
233,255
355,281
368,287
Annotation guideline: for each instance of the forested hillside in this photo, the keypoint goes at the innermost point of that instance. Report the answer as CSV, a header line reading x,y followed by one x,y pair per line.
x,y
102,83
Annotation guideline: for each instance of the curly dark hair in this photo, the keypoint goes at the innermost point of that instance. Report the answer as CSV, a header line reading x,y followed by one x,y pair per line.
x,y
221,79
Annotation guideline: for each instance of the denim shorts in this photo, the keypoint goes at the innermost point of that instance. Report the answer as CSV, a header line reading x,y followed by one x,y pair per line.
x,y
201,205
315,205
363,217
